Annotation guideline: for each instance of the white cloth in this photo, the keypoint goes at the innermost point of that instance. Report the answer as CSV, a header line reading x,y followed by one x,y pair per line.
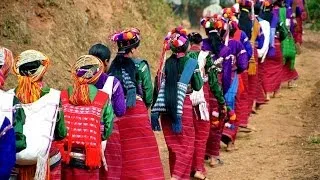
x,y
41,117
265,26
108,87
6,104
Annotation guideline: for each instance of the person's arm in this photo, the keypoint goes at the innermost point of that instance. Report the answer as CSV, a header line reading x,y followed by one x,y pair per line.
x,y
7,150
118,99
241,58
107,120
146,83
18,122
246,43
60,131
196,80
213,81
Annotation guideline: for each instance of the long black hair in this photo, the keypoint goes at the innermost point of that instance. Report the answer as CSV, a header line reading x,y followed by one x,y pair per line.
x,y
215,41
171,78
245,23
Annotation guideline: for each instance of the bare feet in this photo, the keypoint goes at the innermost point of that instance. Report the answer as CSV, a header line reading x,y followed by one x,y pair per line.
x,y
231,147
292,84
215,162
198,175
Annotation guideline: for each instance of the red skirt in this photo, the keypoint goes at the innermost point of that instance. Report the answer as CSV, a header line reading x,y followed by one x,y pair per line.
x,y
273,70
289,74
79,174
253,84
139,149
213,142
261,95
180,146
113,156
242,110
298,31
202,129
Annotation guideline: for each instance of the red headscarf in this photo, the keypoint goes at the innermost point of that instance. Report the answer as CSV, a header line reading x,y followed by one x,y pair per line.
x,y
6,61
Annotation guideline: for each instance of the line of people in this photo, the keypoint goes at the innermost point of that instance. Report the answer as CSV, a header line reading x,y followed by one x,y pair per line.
x,y
100,127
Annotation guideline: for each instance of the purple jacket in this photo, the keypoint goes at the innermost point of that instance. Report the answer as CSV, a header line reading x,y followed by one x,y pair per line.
x,y
118,99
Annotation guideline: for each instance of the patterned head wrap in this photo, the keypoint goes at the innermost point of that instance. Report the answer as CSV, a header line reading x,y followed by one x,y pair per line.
x,y
177,41
6,61
246,3
30,67
214,23
228,13
127,39
86,70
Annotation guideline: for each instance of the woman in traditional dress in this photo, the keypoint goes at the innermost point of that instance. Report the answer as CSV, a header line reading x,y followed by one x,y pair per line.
x,y
174,105
89,118
7,134
301,15
44,121
199,100
140,154
111,86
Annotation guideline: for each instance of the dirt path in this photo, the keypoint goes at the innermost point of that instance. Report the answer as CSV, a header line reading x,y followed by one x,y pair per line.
x,y
281,147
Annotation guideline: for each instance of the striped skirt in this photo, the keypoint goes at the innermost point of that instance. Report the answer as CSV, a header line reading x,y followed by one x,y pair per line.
x,y
242,110
139,149
273,70
202,129
253,84
213,142
289,74
113,156
261,95
180,146
78,174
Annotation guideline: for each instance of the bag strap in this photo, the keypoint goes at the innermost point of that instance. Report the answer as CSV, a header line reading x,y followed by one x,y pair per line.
x,y
108,86
64,97
100,100
188,70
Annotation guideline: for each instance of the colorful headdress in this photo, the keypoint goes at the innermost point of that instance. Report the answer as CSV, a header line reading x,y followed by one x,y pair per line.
x,y
30,67
228,13
213,23
6,61
86,70
127,39
246,3
177,41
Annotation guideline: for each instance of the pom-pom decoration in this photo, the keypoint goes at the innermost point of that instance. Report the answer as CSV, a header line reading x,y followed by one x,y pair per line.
x,y
126,35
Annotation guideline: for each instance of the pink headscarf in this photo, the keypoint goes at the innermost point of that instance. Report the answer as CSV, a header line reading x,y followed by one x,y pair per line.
x,y
6,61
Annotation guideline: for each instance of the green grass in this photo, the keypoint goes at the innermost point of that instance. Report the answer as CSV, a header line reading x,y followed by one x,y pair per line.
x,y
314,139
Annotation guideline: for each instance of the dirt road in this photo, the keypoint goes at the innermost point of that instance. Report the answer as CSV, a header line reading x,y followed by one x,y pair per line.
x,y
286,144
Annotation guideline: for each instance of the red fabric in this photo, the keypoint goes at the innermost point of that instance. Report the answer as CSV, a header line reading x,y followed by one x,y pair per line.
x,y
180,146
261,96
213,142
139,149
202,129
253,84
69,173
81,135
298,31
55,173
113,156
288,74
242,110
273,70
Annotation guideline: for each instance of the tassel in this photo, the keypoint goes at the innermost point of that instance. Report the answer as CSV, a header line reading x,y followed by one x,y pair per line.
x,y
177,125
155,121
93,157
131,97
252,70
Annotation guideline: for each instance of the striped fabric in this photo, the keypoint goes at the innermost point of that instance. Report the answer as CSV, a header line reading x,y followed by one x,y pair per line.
x,y
253,84
180,146
139,149
260,91
213,142
273,70
113,156
242,110
288,74
202,129
78,174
